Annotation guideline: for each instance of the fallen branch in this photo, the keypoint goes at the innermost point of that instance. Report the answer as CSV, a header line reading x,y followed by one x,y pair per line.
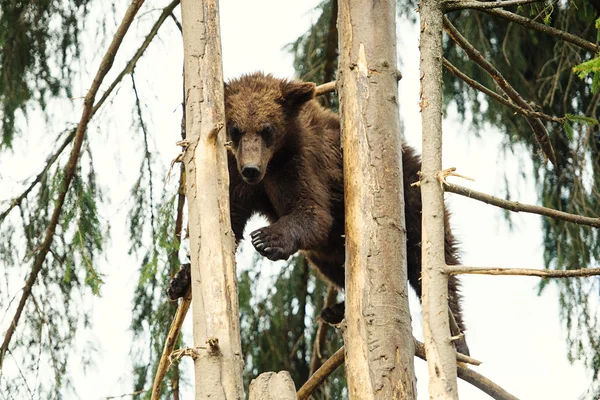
x,y
70,167
520,207
557,33
538,128
478,86
468,375
542,273
480,5
174,330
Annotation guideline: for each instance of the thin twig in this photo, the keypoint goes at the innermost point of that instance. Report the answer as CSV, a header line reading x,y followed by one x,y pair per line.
x,y
520,207
321,334
70,167
538,128
455,5
475,379
322,373
478,86
541,273
557,33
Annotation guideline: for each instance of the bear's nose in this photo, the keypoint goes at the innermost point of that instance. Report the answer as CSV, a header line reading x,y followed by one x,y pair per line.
x,y
251,172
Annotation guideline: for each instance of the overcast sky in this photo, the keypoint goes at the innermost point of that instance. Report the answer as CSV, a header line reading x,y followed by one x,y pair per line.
x,y
516,334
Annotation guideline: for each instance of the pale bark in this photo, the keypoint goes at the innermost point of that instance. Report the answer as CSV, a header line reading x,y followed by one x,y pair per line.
x,y
441,355
378,336
218,365
273,386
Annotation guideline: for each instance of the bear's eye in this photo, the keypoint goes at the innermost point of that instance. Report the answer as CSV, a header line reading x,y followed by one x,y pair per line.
x,y
235,133
267,132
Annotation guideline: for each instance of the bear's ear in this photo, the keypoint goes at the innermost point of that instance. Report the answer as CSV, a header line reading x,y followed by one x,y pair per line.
x,y
294,94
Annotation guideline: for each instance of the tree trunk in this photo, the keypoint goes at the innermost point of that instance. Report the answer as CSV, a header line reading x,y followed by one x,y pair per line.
x,y
218,362
378,337
441,355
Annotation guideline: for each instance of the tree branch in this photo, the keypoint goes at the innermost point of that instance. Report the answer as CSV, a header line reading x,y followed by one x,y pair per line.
x,y
557,33
174,330
541,273
478,86
70,167
455,5
322,373
321,334
49,162
520,207
538,128
326,88
128,68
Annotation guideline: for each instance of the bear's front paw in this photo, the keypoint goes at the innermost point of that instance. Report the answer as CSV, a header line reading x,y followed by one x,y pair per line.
x,y
272,244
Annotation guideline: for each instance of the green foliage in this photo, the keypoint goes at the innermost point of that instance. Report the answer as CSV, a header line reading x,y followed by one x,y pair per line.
x,y
590,67
55,311
38,45
315,52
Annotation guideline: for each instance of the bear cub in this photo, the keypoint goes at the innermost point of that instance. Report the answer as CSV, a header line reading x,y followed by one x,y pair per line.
x,y
286,163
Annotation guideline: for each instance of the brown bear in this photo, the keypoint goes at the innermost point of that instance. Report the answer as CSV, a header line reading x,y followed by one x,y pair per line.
x,y
286,164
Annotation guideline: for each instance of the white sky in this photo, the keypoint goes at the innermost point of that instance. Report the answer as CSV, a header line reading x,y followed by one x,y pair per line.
x,y
514,332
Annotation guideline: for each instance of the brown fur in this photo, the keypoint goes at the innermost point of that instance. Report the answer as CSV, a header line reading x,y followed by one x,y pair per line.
x,y
291,147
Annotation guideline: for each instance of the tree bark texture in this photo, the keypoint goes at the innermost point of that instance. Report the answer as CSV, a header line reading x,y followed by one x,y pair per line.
x,y
218,362
441,355
378,338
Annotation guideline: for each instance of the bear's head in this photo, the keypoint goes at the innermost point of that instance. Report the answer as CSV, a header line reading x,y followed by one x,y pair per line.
x,y
260,111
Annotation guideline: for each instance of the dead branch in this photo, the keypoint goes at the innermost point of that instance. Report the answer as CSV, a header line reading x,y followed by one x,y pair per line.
x,y
128,68
322,373
538,128
138,54
478,86
475,379
455,5
326,88
70,167
520,207
174,330
557,33
542,273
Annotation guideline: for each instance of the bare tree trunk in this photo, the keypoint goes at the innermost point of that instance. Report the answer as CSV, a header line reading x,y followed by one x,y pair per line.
x,y
218,360
441,355
378,338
